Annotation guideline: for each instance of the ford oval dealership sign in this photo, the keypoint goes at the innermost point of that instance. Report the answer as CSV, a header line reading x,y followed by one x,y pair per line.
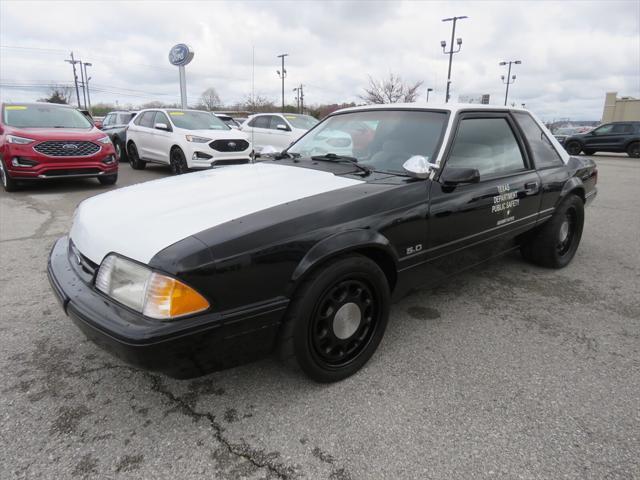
x,y
180,55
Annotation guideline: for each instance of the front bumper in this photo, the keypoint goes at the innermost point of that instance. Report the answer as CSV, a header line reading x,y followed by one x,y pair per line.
x,y
183,348
216,158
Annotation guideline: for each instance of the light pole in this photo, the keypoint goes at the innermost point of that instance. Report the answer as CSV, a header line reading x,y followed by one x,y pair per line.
x,y
510,79
282,74
73,62
429,90
451,51
297,90
86,79
84,91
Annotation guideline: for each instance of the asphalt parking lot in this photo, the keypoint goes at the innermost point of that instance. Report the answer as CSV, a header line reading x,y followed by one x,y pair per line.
x,y
508,371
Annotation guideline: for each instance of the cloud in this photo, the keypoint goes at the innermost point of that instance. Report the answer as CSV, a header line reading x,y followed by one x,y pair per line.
x,y
572,52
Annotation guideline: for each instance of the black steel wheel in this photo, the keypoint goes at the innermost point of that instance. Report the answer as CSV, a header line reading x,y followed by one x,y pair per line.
x,y
134,158
178,162
343,322
633,150
573,148
336,319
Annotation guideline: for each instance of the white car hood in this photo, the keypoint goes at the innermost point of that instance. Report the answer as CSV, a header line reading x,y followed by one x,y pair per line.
x,y
140,220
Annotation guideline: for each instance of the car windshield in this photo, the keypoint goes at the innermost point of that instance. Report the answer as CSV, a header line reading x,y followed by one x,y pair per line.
x,y
44,116
304,122
196,120
380,139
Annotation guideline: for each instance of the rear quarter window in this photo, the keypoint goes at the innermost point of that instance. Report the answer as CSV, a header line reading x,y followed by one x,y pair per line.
x,y
544,154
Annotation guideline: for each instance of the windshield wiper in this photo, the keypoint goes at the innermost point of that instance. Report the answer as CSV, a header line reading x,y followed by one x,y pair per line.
x,y
332,157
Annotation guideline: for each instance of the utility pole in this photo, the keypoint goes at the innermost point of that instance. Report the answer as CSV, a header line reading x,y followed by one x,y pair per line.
x,y
87,78
510,79
75,76
84,91
429,90
297,90
282,74
451,51
301,99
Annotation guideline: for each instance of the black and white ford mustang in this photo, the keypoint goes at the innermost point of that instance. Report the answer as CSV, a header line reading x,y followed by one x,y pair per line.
x,y
303,254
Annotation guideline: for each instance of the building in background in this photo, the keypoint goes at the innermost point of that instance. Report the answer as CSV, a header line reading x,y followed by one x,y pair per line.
x,y
622,109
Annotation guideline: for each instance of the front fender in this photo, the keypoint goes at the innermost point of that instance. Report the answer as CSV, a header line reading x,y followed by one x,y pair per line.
x,y
351,240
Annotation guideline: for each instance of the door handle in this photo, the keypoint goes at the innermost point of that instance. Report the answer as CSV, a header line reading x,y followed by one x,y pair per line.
x,y
531,187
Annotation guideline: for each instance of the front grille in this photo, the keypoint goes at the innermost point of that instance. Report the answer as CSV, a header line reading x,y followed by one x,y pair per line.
x,y
229,145
71,171
67,148
87,266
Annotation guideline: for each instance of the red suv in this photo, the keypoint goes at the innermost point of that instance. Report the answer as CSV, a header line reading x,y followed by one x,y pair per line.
x,y
41,141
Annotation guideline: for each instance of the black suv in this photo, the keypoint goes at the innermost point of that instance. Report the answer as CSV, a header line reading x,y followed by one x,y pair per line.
x,y
115,125
617,137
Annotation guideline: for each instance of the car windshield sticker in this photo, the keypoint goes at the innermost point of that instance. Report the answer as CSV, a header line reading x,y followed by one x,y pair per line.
x,y
505,202
15,107
173,114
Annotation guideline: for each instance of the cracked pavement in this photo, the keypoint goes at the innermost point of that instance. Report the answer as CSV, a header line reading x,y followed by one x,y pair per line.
x,y
507,371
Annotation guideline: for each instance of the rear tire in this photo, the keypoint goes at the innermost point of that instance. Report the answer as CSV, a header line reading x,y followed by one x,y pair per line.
x,y
556,242
134,158
336,319
573,148
8,183
108,179
633,150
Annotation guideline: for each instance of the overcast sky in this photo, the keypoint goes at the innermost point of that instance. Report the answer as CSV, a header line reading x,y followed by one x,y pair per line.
x,y
572,52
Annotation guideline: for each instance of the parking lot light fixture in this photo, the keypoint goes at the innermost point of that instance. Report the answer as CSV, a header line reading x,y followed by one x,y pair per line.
x,y
282,74
509,78
429,90
451,51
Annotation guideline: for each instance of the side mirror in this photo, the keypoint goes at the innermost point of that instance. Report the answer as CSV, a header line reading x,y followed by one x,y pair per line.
x,y
456,176
161,126
419,167
282,126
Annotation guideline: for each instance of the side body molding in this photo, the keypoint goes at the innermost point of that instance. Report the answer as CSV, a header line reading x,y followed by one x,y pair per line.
x,y
350,240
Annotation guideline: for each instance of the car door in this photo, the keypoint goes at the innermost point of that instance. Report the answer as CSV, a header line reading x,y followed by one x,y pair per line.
x,y
258,130
160,139
280,132
144,134
599,138
469,223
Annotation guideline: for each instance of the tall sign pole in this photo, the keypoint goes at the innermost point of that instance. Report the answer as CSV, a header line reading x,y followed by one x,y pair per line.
x,y
73,62
180,55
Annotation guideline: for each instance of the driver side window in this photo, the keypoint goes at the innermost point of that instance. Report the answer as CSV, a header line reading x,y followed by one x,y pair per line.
x,y
488,145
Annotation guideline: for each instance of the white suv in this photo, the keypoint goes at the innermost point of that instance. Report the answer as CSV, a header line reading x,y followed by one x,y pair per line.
x,y
278,130
184,139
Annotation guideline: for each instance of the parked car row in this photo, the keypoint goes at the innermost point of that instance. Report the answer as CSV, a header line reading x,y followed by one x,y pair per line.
x,y
614,137
39,141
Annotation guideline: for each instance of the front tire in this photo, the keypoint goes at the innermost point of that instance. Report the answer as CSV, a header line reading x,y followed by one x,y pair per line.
x,y
556,242
8,183
574,148
178,162
633,150
134,158
336,319
108,179
120,150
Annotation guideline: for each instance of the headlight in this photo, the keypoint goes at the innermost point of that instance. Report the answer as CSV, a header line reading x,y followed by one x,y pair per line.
x,y
148,292
19,140
196,139
104,140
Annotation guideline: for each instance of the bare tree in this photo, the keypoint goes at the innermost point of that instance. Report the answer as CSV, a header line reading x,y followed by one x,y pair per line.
x,y
210,99
259,104
58,94
390,90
